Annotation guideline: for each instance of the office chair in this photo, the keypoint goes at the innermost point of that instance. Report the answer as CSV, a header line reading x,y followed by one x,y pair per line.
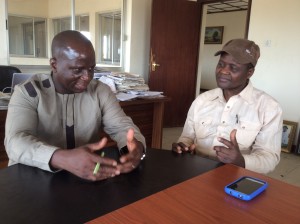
x,y
6,75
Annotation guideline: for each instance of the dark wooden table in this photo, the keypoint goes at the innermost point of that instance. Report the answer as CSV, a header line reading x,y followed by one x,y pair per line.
x,y
30,195
202,200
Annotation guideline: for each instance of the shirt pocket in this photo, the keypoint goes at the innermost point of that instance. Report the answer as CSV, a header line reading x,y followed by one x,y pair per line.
x,y
204,127
247,132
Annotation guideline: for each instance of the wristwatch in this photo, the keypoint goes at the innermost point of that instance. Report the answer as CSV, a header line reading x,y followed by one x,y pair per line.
x,y
124,151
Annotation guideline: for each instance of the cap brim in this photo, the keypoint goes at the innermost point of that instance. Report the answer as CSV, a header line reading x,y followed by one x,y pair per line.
x,y
219,52
238,59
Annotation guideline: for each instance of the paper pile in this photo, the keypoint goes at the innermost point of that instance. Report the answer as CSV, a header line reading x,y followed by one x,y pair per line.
x,y
127,86
140,94
127,81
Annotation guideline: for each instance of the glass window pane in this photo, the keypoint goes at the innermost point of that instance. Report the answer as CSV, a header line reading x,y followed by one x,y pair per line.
x,y
33,37
61,24
117,38
110,38
82,23
27,36
40,37
20,31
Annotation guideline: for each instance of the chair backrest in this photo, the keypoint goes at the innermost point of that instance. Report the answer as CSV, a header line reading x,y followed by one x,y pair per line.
x,y
6,75
19,78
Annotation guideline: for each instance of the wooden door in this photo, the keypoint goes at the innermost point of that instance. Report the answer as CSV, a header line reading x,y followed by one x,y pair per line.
x,y
175,39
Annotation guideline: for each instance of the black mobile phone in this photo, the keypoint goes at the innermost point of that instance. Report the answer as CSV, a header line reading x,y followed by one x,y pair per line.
x,y
246,188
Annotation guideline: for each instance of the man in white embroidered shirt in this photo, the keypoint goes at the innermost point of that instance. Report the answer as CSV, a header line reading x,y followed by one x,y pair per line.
x,y
235,123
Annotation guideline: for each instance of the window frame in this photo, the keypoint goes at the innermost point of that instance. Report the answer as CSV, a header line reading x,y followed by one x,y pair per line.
x,y
34,21
99,40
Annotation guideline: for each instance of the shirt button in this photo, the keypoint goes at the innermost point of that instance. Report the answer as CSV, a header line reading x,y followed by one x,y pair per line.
x,y
228,107
223,122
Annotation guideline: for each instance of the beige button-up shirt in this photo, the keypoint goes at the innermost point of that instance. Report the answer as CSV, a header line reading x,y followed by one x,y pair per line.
x,y
40,120
256,116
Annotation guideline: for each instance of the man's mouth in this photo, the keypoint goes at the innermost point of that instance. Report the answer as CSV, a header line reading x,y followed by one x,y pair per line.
x,y
222,79
81,86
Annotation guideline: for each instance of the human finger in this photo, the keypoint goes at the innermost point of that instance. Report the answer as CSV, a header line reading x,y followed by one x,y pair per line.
x,y
98,145
106,171
233,137
183,146
225,142
221,153
126,167
130,139
192,148
176,148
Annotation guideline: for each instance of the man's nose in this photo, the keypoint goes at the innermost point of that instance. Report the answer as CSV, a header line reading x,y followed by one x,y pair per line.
x,y
225,70
84,74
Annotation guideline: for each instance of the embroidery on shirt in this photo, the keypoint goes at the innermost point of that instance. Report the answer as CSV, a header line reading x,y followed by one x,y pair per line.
x,y
30,89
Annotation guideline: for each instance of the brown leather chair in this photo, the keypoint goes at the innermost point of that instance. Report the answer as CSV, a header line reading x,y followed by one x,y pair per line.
x,y
6,75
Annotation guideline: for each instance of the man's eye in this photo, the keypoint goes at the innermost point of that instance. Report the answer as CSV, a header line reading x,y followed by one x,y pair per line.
x,y
76,70
220,65
234,69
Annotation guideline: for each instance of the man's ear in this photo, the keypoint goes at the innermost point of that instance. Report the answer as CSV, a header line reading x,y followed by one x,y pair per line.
x,y
250,72
53,64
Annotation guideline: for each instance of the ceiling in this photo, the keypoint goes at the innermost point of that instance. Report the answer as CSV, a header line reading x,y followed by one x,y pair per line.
x,y
227,6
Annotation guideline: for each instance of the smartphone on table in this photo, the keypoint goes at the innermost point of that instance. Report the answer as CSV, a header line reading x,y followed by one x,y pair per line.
x,y
246,188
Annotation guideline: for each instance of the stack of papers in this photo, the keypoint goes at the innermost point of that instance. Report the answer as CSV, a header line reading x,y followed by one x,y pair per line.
x,y
134,94
127,81
108,81
127,86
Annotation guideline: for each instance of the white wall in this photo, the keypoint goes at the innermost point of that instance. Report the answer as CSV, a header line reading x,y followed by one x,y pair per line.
x,y
3,35
234,27
138,37
37,8
278,69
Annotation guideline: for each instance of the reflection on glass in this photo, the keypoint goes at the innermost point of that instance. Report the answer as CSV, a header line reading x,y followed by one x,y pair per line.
x,y
27,36
110,37
62,24
32,24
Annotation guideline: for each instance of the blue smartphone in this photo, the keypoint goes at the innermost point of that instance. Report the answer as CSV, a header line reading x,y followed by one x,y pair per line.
x,y
246,188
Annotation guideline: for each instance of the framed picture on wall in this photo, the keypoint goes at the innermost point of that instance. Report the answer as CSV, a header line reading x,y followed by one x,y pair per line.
x,y
298,144
288,135
213,35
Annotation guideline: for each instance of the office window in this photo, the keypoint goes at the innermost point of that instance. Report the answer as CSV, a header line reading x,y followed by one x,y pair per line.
x,y
27,36
62,24
110,38
38,21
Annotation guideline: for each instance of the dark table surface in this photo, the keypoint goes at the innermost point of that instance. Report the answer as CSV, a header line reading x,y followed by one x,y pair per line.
x,y
31,195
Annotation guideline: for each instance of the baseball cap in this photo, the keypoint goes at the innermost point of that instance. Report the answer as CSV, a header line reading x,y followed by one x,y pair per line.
x,y
244,51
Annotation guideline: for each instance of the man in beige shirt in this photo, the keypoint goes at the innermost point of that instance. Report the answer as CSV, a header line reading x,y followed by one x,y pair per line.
x,y
54,120
235,123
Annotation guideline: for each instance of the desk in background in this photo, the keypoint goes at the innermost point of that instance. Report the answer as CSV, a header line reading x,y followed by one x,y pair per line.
x,y
147,114
31,195
202,200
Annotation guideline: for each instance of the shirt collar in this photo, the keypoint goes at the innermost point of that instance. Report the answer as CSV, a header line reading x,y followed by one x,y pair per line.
x,y
246,93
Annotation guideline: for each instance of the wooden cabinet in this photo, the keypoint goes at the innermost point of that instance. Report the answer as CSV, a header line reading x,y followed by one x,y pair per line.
x,y
147,114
